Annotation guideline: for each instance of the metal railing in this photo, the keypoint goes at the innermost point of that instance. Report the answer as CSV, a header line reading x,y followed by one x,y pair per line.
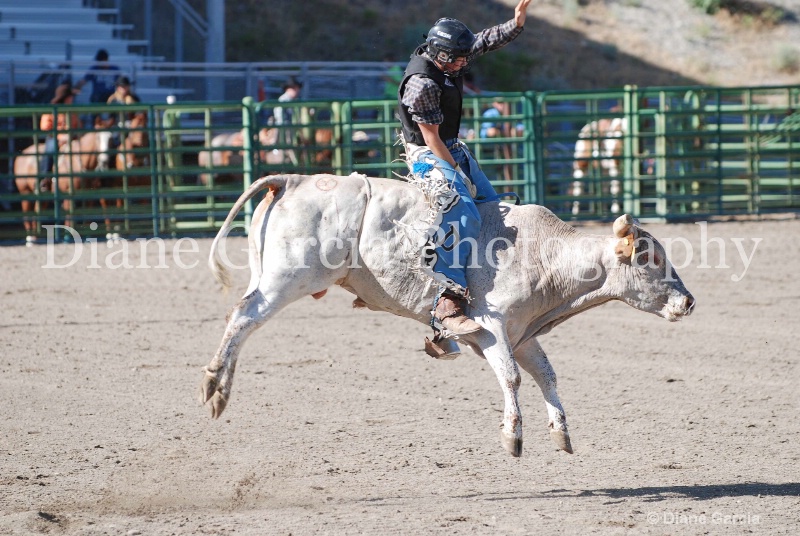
x,y
679,153
684,152
154,79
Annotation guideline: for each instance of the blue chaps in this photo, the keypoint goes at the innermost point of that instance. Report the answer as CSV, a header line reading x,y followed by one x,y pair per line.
x,y
455,230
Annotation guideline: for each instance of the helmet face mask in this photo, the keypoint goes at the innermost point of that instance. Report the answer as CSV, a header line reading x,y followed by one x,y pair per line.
x,y
448,40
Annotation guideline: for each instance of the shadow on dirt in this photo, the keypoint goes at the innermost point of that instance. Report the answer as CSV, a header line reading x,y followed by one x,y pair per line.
x,y
698,492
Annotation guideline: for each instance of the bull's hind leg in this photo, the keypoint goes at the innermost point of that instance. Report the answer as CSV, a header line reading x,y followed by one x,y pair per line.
x,y
249,314
532,359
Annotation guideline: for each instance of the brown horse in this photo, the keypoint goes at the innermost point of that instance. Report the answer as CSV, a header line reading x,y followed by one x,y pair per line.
x,y
222,154
219,155
132,166
74,157
26,170
134,139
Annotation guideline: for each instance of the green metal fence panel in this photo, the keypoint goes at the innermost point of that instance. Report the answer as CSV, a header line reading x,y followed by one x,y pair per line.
x,y
653,152
296,137
680,152
581,154
368,134
497,129
200,165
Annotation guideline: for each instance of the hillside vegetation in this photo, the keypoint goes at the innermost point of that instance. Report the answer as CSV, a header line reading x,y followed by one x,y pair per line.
x,y
579,44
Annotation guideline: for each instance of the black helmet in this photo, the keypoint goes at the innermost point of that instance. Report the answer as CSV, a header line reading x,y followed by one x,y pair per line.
x,y
450,39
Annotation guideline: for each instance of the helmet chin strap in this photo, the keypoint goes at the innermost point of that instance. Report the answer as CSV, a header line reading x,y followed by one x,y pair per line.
x,y
449,73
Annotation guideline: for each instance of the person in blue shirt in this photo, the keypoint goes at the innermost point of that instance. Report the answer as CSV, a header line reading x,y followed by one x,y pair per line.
x,y
102,75
490,128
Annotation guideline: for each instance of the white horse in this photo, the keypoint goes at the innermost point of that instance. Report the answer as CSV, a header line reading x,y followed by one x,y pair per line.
x,y
599,145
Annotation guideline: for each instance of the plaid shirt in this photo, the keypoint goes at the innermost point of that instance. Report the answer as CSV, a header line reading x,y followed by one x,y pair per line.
x,y
422,94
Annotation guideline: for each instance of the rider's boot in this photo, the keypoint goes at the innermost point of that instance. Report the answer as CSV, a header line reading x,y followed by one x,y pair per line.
x,y
446,349
450,312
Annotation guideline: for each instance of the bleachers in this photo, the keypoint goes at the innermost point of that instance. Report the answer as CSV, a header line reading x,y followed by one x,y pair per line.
x,y
10,47
66,15
57,49
43,4
31,31
38,35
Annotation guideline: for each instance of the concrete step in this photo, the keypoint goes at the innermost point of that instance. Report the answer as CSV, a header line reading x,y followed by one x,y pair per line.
x,y
46,4
32,31
17,15
58,47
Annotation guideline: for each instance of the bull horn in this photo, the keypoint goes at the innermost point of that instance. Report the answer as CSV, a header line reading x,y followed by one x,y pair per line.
x,y
622,225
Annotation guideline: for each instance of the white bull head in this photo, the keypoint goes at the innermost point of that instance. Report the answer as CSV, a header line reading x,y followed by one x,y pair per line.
x,y
649,283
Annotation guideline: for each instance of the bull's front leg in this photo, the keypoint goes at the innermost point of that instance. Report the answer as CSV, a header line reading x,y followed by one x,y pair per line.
x,y
532,359
497,351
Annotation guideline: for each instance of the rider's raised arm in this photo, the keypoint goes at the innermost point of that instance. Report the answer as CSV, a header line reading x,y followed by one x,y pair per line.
x,y
520,12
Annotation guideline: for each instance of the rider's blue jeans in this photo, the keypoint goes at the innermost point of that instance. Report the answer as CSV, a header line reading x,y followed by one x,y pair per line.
x,y
447,253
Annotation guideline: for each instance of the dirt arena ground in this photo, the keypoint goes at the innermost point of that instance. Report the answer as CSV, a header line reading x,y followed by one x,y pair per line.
x,y
340,424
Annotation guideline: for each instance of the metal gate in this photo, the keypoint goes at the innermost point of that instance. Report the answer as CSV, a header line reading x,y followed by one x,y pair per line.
x,y
662,153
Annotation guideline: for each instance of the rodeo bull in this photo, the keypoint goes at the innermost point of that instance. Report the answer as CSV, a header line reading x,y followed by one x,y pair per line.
x,y
530,272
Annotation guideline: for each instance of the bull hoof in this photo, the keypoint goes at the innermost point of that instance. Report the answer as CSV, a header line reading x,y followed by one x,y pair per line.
x,y
208,388
218,403
561,438
210,391
512,444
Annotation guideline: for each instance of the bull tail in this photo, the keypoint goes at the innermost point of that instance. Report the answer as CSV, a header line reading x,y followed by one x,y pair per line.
x,y
274,183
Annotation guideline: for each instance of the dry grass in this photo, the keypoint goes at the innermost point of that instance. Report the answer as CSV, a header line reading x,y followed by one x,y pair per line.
x,y
543,57
580,44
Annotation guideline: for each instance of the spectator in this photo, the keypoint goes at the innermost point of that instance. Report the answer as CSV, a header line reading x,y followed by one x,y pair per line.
x,y
283,117
102,75
497,127
291,91
493,129
43,89
59,129
122,94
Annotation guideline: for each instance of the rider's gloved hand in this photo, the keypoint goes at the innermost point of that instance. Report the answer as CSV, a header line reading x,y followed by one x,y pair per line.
x,y
473,191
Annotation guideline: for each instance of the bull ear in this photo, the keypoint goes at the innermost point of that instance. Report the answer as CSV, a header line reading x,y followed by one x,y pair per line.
x,y
623,225
626,248
625,229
